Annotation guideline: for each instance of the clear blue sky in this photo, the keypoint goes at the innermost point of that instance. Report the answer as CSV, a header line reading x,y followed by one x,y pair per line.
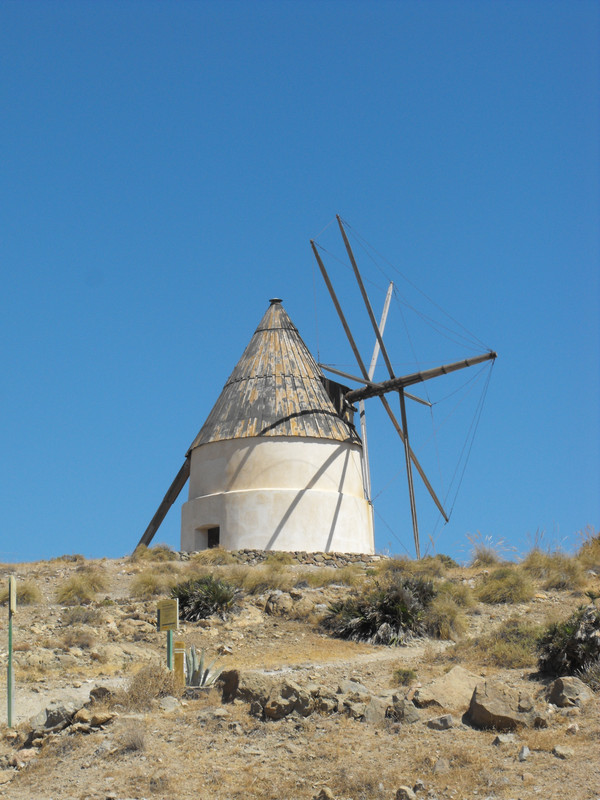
x,y
164,166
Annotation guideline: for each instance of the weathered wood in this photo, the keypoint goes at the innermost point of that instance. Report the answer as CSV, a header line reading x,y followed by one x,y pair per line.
x,y
168,500
393,385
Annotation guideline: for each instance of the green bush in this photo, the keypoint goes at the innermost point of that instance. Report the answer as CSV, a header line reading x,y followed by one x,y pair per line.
x,y
404,676
506,585
571,646
384,614
203,597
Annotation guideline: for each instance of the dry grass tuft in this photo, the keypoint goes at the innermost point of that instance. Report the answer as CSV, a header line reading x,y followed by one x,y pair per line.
x,y
555,570
81,615
28,594
160,552
261,578
214,556
151,583
319,577
444,619
151,682
78,637
506,584
95,575
588,554
461,593
75,591
511,645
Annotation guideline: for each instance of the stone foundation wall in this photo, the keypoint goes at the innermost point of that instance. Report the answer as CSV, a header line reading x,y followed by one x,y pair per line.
x,y
300,557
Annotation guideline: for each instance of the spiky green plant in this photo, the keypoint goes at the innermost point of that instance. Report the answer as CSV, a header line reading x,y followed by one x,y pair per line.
x,y
571,646
199,676
387,614
202,597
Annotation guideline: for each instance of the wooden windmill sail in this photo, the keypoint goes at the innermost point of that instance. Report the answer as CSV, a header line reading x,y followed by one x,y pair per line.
x,y
395,384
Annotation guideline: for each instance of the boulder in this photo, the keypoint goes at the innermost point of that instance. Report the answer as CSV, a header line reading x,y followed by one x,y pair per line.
x,y
254,686
451,691
405,793
279,603
497,707
569,691
402,710
54,716
443,723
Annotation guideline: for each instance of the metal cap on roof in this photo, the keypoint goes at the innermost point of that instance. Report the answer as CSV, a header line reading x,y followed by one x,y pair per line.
x,y
275,389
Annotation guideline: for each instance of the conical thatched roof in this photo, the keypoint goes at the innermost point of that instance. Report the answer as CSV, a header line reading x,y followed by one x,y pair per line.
x,y
276,389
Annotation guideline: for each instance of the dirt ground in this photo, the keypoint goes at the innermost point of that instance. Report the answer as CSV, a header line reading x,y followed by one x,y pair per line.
x,y
204,748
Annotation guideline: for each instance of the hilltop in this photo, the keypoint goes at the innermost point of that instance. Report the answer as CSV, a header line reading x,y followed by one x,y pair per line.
x,y
298,712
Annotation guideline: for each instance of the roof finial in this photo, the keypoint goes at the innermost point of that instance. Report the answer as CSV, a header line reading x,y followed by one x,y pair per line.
x,y
275,300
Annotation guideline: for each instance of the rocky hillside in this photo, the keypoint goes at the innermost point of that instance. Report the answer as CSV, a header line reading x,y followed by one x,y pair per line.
x,y
458,710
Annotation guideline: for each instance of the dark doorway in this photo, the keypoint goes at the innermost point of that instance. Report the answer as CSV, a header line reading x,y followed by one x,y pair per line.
x,y
212,536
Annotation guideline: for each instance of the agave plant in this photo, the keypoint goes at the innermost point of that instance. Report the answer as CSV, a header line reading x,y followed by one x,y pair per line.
x,y
199,676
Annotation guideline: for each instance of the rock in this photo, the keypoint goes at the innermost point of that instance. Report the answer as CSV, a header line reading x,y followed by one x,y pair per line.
x,y
53,716
220,713
569,691
572,729
442,723
224,650
352,687
403,710
326,703
452,691
376,710
524,753
504,738
286,698
100,694
279,603
168,703
254,686
561,751
102,718
84,715
354,709
441,766
496,707
419,786
325,794
405,793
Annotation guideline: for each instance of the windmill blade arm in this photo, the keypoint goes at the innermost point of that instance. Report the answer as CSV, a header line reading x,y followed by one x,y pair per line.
x,y
416,377
168,500
413,458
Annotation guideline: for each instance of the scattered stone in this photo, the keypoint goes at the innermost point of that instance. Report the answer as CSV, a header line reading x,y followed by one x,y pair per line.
x,y
441,766
527,778
54,716
419,786
524,753
442,723
352,687
452,691
562,751
168,703
325,794
569,691
224,650
572,729
504,738
403,710
102,718
405,793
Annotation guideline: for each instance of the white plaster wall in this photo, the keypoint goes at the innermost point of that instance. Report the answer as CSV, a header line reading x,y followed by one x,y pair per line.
x,y
281,493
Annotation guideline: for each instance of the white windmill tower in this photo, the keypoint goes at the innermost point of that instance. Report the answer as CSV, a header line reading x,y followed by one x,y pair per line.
x,y
278,464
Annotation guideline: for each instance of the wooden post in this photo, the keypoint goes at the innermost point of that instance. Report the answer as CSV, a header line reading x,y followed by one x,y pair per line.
x,y
178,662
10,678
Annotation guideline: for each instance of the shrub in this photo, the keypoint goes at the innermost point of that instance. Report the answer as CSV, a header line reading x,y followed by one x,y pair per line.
x,y
556,570
461,593
77,637
95,576
81,615
506,585
443,618
512,645
571,646
262,578
590,674
403,676
485,552
213,555
385,614
75,591
28,594
152,681
150,583
160,552
325,576
279,557
588,554
200,598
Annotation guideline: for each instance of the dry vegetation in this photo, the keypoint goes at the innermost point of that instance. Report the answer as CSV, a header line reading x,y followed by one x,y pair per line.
x,y
95,621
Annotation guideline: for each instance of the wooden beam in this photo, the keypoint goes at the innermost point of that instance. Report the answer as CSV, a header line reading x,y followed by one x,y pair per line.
x,y
168,500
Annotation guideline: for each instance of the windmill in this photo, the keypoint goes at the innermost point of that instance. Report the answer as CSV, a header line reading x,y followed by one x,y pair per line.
x,y
278,463
395,384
